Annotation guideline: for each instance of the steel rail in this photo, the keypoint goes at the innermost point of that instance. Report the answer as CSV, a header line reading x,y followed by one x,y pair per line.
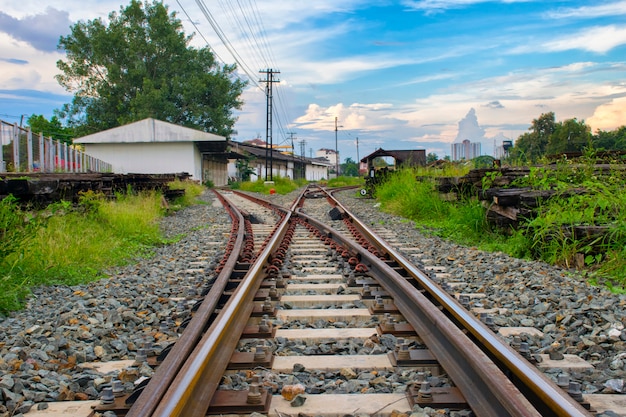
x,y
190,393
545,395
164,375
486,389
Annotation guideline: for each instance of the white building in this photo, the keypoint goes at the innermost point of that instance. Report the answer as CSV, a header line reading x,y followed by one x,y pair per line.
x,y
465,150
151,146
266,163
329,154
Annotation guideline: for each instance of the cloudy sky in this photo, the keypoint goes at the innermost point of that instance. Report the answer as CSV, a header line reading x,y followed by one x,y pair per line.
x,y
404,74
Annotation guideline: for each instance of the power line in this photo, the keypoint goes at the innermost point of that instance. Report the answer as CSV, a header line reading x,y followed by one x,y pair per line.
x,y
244,16
220,34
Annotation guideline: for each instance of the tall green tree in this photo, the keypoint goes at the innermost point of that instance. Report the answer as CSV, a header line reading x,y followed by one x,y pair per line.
x,y
610,140
350,168
141,65
532,145
431,157
569,136
50,128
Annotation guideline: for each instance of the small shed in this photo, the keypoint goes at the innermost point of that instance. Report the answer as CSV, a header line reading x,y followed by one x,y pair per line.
x,y
401,157
152,146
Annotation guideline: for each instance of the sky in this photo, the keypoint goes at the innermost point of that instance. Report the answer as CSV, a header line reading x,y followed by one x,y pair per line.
x,y
358,75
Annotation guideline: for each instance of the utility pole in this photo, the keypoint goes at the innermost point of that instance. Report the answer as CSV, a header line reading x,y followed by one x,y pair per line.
x,y
293,153
293,150
302,156
269,80
336,150
358,161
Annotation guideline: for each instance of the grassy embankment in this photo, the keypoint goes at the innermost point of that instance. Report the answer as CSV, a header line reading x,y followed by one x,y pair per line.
x,y
66,244
285,185
545,237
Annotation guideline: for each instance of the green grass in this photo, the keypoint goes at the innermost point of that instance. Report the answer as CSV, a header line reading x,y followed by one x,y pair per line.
x,y
280,186
343,181
67,245
192,191
545,237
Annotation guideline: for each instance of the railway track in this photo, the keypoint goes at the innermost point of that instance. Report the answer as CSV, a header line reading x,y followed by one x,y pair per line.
x,y
300,302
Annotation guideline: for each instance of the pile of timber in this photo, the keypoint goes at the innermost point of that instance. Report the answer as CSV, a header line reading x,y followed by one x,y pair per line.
x,y
508,205
44,188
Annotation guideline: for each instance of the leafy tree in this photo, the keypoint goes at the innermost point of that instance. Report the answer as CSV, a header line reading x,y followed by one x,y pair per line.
x,y
50,128
244,170
431,157
141,65
611,140
350,168
483,161
569,136
532,145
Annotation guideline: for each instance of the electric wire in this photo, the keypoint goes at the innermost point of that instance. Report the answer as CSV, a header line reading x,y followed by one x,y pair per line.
x,y
245,18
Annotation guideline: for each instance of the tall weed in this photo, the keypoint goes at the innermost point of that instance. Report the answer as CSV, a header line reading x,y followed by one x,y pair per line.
x,y
74,244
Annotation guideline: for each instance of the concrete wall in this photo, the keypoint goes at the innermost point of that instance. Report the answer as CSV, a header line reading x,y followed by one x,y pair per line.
x,y
316,172
149,158
216,171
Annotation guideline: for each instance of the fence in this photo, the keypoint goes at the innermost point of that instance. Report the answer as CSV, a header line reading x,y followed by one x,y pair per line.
x,y
25,151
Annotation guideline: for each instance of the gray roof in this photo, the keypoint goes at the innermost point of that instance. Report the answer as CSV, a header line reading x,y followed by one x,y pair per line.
x,y
150,130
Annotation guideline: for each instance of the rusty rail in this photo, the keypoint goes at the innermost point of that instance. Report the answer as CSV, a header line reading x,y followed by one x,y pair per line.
x,y
164,375
544,395
194,385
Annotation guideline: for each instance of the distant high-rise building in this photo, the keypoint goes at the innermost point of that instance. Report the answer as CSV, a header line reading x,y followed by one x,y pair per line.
x,y
465,150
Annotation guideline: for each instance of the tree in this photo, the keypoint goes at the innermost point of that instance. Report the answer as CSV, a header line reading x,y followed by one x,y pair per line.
x,y
569,136
531,146
431,157
350,168
50,128
610,140
141,65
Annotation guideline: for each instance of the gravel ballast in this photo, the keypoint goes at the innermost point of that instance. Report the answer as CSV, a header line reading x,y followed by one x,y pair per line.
x,y
43,348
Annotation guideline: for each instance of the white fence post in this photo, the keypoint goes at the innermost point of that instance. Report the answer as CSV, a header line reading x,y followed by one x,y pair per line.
x,y
2,164
29,149
42,153
16,148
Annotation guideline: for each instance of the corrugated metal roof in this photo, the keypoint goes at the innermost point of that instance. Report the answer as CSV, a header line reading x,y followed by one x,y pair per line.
x,y
150,130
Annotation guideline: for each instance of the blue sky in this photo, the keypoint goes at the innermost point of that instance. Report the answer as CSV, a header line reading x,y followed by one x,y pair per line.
x,y
401,74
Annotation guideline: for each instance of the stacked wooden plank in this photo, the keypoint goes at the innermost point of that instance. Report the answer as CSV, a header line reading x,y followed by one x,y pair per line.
x,y
44,188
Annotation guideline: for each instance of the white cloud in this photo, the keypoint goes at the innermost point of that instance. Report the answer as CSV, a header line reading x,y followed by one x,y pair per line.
x,y
356,116
588,12
27,67
599,39
609,116
435,6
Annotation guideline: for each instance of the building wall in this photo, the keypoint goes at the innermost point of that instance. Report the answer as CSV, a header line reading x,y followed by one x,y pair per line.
x,y
149,158
215,170
466,150
329,154
316,172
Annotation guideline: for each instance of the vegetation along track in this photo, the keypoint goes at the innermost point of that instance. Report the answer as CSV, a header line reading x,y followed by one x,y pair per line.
x,y
338,323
